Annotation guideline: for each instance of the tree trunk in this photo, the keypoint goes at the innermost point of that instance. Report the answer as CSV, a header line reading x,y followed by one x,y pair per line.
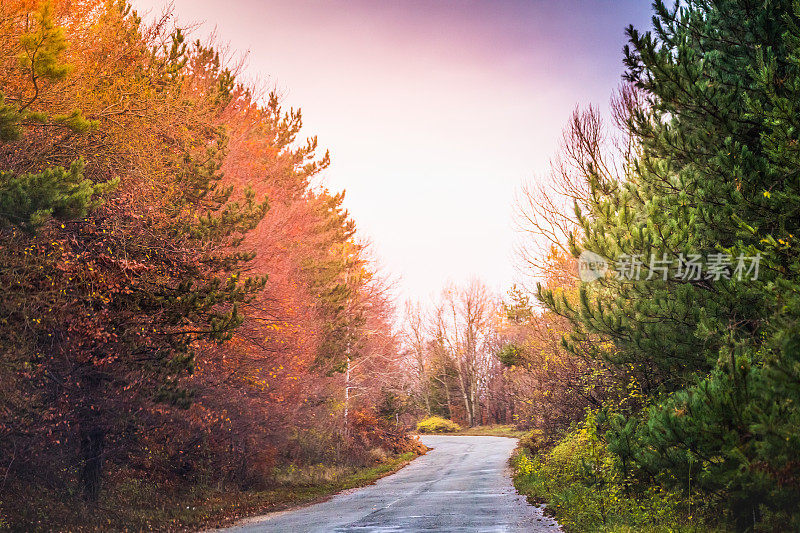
x,y
468,408
477,418
447,396
92,447
465,395
347,399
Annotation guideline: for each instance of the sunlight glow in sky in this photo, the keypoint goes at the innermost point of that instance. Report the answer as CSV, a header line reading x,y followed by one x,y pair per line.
x,y
434,111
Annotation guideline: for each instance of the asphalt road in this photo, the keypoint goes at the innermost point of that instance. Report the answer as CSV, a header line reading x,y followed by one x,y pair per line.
x,y
462,485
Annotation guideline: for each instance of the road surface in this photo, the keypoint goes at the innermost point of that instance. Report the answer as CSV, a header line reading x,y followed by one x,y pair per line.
x,y
461,485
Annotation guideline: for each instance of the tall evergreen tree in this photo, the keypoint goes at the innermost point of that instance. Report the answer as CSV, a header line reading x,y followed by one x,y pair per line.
x,y
336,275
716,177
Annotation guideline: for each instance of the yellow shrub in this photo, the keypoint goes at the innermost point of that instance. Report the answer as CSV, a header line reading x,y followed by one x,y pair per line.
x,y
437,424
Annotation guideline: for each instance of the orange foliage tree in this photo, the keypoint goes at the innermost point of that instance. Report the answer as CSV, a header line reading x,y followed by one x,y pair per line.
x,y
159,315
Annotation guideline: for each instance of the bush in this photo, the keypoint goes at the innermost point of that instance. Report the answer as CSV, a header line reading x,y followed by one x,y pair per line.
x,y
437,424
369,432
584,488
533,442
377,455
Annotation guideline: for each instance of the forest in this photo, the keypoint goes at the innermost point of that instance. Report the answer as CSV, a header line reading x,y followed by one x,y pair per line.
x,y
687,348
182,302
193,329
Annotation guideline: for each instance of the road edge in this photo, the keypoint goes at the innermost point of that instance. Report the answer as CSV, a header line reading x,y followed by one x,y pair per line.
x,y
289,507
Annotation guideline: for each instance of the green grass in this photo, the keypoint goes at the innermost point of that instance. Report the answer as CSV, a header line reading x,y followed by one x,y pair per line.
x,y
136,505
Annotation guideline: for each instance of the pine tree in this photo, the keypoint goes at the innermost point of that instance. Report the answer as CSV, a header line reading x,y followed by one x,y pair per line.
x,y
715,173
335,277
28,200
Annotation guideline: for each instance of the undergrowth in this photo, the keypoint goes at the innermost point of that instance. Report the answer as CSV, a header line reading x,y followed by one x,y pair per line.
x,y
139,505
584,489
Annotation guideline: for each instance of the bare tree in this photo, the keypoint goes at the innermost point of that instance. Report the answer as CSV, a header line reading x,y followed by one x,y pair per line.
x,y
590,153
462,328
416,346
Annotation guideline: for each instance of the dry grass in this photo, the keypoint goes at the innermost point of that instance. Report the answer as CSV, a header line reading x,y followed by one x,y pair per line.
x,y
138,505
495,430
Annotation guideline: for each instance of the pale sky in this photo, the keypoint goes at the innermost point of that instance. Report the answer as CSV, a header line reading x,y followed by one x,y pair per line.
x,y
434,111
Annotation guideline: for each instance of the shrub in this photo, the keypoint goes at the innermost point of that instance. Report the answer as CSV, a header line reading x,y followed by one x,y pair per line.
x,y
583,486
369,431
533,442
437,424
311,475
377,455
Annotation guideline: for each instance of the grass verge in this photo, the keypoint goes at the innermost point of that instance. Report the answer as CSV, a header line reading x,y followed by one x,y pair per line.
x,y
584,491
497,430
136,505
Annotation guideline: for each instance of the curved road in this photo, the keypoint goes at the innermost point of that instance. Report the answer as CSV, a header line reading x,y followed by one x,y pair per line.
x,y
461,485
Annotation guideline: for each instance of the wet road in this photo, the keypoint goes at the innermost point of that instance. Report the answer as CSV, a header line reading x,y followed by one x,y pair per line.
x,y
461,485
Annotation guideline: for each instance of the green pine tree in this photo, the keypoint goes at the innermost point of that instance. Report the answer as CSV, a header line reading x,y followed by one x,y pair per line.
x,y
28,200
715,173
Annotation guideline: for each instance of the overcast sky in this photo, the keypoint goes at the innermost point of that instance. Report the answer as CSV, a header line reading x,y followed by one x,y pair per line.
x,y
434,111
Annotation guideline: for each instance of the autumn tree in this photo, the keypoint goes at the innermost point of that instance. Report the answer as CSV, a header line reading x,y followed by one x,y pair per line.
x,y
160,320
416,346
550,386
122,295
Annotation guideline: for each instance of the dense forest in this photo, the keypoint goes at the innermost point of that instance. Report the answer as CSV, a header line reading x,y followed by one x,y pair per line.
x,y
686,342
192,329
183,302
